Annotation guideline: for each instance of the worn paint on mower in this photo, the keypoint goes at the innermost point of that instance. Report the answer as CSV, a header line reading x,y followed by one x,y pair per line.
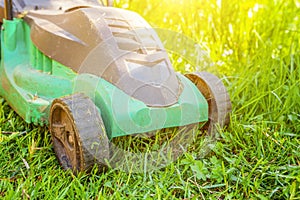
x,y
92,73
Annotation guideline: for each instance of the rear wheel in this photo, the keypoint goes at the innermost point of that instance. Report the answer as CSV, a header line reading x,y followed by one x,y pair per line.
x,y
78,133
217,97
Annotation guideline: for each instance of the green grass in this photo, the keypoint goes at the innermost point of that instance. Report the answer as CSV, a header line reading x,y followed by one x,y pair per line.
x,y
255,48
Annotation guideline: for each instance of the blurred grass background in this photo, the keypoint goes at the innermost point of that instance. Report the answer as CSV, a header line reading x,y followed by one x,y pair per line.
x,y
254,46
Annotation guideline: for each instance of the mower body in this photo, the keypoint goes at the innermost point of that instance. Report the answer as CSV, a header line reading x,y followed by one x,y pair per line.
x,y
89,49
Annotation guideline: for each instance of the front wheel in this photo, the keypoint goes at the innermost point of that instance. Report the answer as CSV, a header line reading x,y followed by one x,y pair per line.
x,y
78,133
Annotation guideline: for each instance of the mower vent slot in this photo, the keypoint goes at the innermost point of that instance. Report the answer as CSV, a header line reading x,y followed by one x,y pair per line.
x,y
117,24
120,27
127,44
127,35
130,37
124,36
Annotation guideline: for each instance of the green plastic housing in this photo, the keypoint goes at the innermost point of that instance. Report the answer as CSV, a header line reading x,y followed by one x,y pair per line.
x,y
30,81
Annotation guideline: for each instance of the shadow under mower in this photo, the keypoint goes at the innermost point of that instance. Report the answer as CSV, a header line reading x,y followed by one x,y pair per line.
x,y
93,73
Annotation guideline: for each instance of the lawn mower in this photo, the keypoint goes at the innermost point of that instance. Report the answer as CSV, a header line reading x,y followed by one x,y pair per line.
x,y
91,73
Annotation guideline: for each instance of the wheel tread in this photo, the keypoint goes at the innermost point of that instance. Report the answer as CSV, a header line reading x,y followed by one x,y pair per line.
x,y
89,128
220,104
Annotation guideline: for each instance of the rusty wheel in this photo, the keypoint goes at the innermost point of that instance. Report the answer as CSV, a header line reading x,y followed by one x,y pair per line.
x,y
217,97
78,133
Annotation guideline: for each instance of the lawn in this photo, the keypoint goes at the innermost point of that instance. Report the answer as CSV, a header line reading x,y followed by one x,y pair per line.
x,y
254,46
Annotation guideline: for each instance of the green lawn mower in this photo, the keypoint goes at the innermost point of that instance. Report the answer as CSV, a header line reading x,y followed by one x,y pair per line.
x,y
91,73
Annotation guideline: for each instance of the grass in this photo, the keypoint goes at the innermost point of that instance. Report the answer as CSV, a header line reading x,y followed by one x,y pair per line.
x,y
254,46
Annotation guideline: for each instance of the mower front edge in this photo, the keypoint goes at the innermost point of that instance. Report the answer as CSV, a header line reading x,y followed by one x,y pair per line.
x,y
124,115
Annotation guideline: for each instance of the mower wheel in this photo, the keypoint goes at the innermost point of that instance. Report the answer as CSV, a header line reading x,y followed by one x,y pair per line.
x,y
78,133
217,97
